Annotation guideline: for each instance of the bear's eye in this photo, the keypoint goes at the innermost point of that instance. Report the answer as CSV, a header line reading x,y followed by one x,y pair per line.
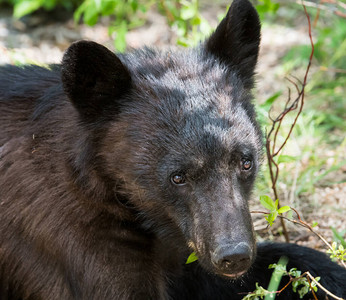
x,y
178,179
246,164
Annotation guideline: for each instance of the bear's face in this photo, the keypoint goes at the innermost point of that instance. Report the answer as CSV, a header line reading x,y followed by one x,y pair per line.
x,y
182,137
193,152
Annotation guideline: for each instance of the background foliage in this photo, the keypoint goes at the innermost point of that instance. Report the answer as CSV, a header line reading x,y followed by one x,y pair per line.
x,y
182,15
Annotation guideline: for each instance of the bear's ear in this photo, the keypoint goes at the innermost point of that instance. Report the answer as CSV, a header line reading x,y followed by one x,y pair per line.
x,y
94,79
236,40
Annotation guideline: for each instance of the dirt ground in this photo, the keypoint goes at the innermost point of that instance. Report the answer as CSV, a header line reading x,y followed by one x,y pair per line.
x,y
42,38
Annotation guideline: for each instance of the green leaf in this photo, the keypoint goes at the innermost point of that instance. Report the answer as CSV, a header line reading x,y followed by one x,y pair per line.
x,y
271,217
78,12
134,5
181,42
289,214
294,272
187,13
314,224
286,159
195,21
26,7
192,257
303,291
295,284
120,40
339,237
267,202
97,4
283,209
91,16
108,8
205,27
257,294
268,103
49,4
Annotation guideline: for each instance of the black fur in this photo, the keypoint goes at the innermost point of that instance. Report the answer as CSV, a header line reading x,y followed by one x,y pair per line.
x,y
90,150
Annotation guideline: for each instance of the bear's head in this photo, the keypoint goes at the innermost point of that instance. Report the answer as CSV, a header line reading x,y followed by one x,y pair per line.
x,y
181,144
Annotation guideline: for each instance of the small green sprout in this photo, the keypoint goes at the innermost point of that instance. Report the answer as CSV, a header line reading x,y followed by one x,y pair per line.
x,y
302,283
257,294
272,205
337,252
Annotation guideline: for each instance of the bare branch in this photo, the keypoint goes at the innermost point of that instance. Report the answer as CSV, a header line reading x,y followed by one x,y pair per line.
x,y
321,286
332,9
277,122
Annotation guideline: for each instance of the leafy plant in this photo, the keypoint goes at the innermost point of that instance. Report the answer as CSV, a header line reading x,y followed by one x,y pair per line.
x,y
304,166
258,293
25,7
126,15
186,20
302,283
338,252
266,7
182,15
272,206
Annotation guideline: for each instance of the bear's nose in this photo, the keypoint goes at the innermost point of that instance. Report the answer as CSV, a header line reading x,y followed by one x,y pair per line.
x,y
232,260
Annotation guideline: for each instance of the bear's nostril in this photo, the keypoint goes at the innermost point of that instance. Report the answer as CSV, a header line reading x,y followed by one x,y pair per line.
x,y
227,264
233,259
235,262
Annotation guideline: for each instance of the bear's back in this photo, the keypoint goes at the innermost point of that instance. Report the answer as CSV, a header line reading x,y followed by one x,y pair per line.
x,y
25,92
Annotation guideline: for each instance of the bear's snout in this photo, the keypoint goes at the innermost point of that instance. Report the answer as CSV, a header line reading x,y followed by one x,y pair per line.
x,y
232,260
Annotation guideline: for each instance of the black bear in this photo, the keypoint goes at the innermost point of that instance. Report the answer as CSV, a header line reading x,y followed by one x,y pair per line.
x,y
114,168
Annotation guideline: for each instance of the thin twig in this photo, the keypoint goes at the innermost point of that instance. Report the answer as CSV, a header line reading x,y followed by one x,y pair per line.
x,y
334,10
321,287
301,223
276,124
312,290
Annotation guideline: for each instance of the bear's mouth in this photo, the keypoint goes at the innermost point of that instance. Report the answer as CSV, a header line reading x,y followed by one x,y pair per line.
x,y
230,273
234,275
